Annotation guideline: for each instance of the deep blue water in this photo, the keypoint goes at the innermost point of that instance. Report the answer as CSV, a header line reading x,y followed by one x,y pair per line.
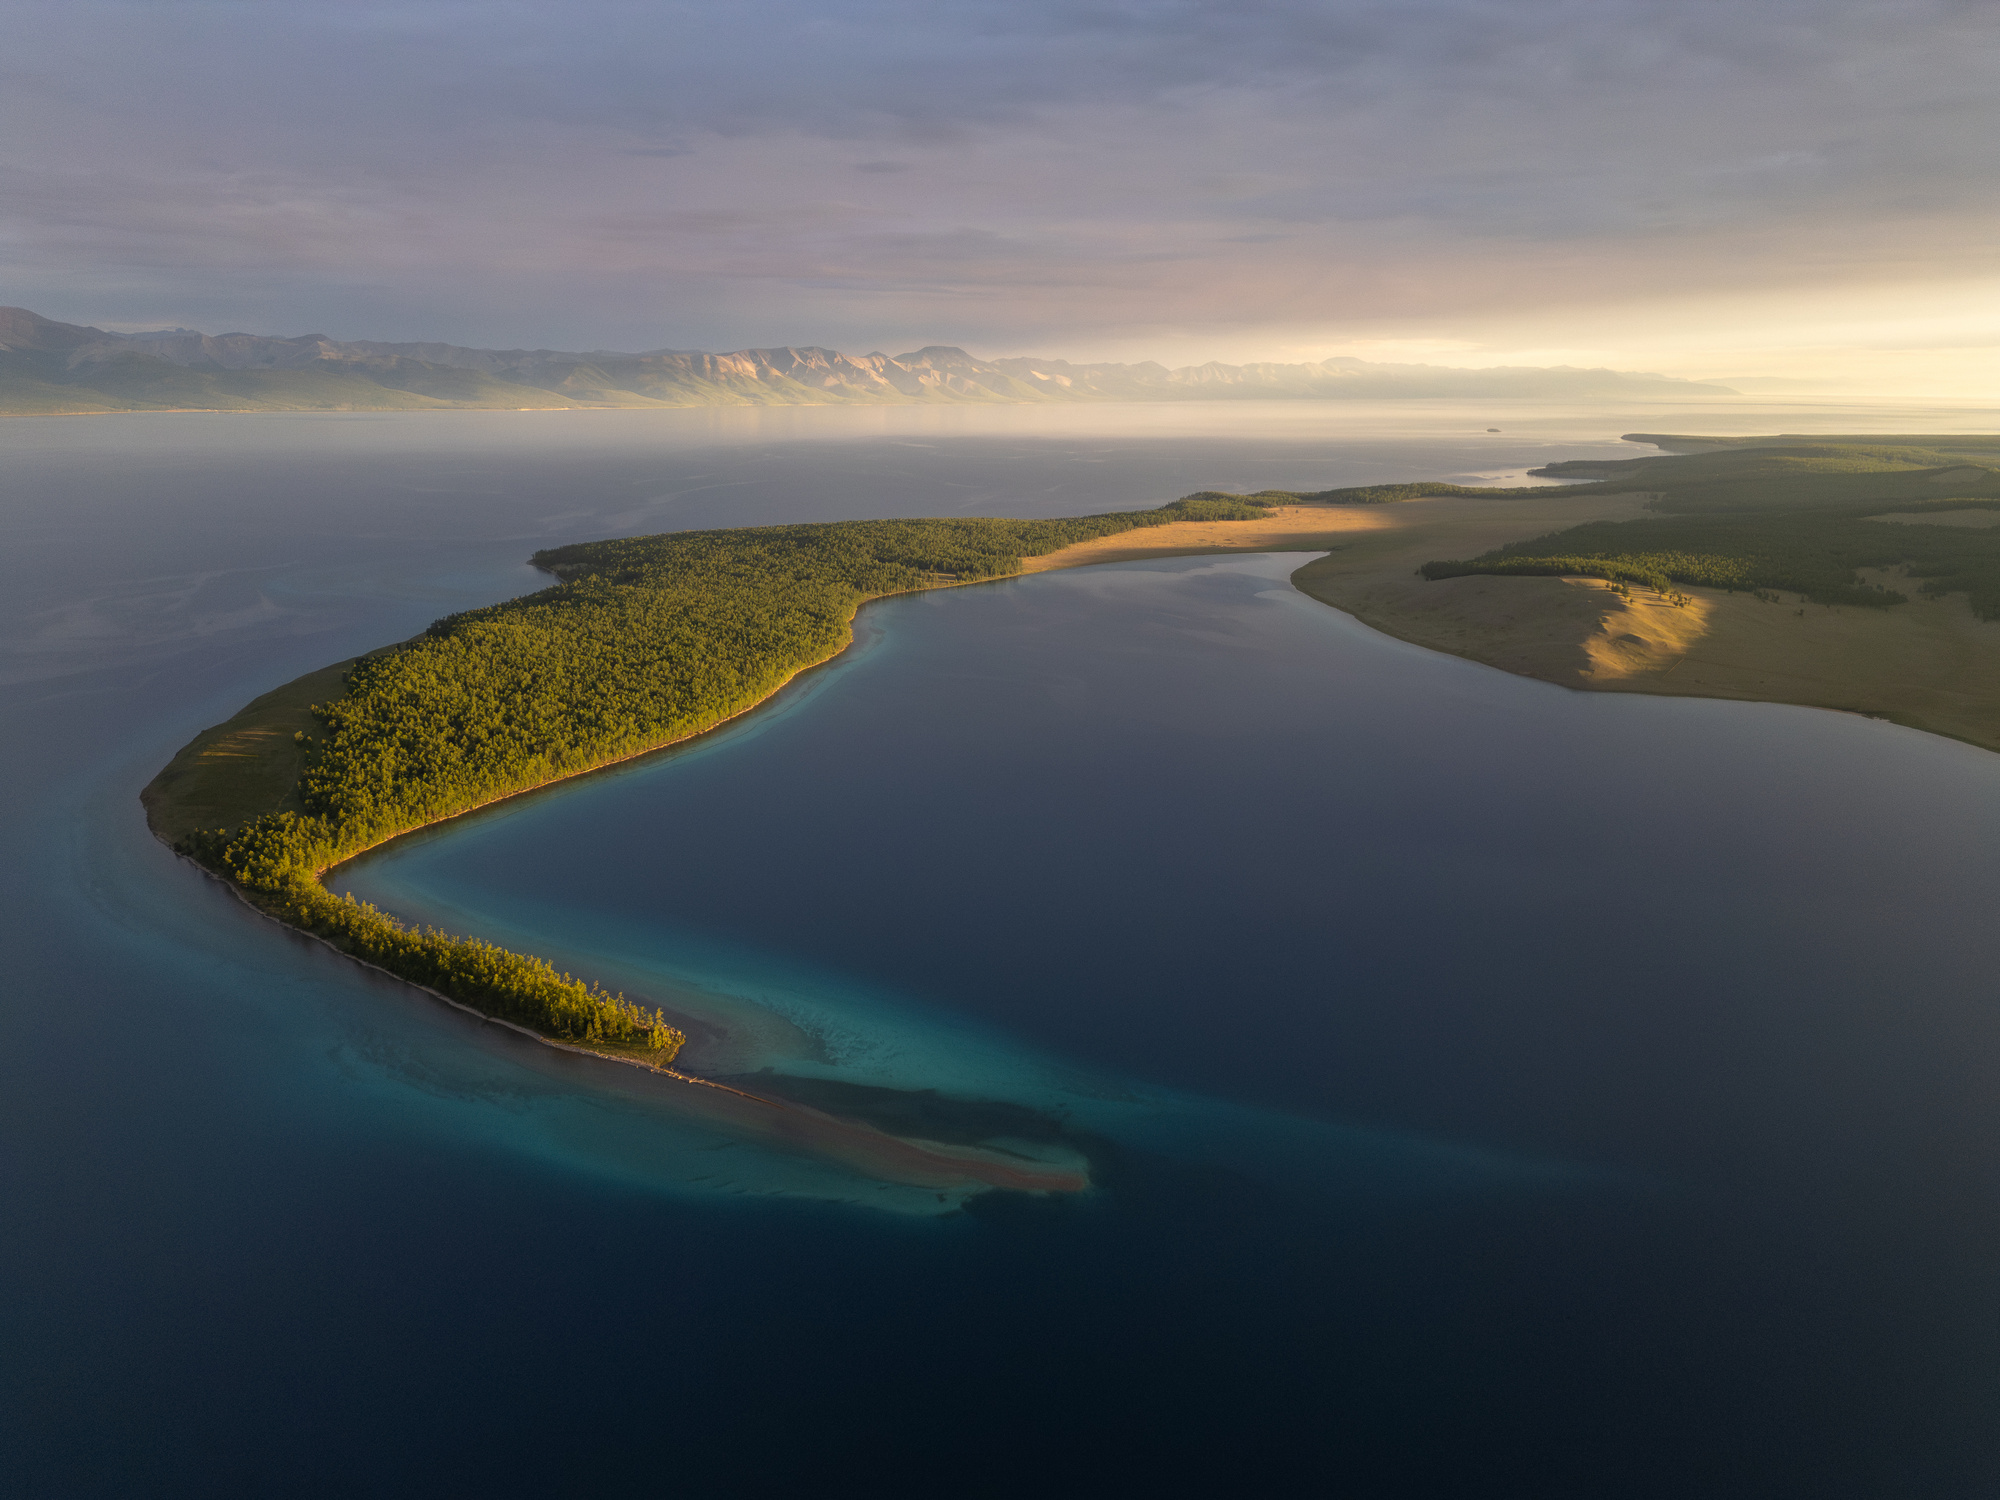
x,y
1490,1090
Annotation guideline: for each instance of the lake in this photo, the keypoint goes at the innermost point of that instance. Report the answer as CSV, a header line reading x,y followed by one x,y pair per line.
x,y
1486,1089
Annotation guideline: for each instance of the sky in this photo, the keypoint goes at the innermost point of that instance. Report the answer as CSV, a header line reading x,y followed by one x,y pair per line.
x,y
1803,192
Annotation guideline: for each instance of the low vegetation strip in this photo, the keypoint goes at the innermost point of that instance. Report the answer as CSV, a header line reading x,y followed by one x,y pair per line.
x,y
1792,518
1656,570
1812,555
1834,474
646,641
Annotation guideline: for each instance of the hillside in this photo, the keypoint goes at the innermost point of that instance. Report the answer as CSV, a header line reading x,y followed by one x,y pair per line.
x,y
48,367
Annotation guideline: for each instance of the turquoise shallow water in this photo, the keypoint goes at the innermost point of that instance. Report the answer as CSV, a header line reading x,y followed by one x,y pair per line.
x,y
1486,1089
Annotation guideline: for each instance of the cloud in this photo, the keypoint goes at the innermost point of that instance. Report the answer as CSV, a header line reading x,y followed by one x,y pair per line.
x,y
1089,171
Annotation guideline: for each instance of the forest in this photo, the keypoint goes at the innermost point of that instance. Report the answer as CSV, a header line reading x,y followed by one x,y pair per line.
x,y
645,641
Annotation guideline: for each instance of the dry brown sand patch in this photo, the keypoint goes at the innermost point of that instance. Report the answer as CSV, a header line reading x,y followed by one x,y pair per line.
x,y
1642,633
1460,525
1289,528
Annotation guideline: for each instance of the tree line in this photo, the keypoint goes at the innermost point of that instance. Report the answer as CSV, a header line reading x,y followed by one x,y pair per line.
x,y
1811,553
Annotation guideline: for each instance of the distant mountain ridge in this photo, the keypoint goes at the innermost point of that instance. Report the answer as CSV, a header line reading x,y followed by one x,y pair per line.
x,y
53,368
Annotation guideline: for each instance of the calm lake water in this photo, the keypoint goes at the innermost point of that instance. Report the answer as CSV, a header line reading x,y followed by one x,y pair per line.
x,y
1488,1089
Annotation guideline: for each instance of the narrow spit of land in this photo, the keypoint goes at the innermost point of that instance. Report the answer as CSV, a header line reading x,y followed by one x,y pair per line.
x,y
643,643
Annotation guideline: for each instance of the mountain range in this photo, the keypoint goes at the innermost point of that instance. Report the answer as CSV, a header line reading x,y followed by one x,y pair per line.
x,y
48,367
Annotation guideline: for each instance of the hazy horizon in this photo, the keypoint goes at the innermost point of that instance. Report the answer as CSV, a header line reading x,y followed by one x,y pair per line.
x,y
877,348
1787,193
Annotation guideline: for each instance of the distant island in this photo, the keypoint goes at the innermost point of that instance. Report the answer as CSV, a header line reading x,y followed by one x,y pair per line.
x,y
50,368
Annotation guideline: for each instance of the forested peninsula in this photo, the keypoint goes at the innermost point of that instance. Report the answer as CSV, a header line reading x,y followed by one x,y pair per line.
x,y
648,641
644,642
